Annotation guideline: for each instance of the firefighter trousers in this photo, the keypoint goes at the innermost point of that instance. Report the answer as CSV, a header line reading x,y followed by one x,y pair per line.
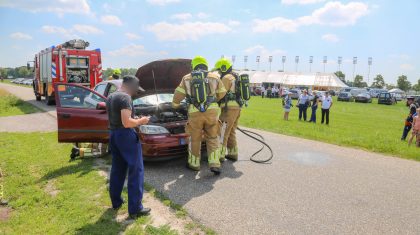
x,y
126,156
200,123
229,121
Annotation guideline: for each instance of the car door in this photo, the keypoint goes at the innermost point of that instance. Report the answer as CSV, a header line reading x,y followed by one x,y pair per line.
x,y
81,114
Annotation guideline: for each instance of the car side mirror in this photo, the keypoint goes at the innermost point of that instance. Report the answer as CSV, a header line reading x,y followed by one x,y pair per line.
x,y
101,106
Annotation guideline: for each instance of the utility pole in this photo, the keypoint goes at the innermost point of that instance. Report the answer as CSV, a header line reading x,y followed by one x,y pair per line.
x,y
258,63
283,60
340,59
325,62
311,60
270,59
245,61
354,68
369,64
297,62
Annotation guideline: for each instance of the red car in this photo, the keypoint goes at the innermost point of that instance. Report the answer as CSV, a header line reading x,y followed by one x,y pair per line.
x,y
82,115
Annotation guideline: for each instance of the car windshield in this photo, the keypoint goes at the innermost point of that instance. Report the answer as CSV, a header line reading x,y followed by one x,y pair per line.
x,y
152,100
343,94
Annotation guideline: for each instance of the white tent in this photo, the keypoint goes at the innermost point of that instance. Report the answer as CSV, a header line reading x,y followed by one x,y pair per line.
x,y
328,80
397,91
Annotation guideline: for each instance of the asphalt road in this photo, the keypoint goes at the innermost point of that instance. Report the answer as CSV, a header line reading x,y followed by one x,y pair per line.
x,y
309,188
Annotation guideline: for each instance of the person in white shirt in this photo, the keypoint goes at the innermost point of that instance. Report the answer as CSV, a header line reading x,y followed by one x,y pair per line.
x,y
263,91
303,104
326,105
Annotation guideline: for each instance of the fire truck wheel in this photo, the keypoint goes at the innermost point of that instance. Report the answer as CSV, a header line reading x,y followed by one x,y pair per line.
x,y
48,99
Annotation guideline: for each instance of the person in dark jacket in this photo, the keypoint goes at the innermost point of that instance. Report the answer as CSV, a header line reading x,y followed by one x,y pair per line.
x,y
314,106
409,120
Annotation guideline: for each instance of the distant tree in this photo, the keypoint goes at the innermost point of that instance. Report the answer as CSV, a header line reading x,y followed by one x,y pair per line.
x,y
3,72
416,87
341,76
107,73
378,82
403,83
358,81
390,86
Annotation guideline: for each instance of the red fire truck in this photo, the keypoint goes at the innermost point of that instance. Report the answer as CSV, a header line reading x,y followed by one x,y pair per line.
x,y
69,62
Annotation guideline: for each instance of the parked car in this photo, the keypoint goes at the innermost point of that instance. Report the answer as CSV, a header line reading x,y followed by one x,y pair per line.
x,y
374,92
295,93
345,96
17,80
363,98
82,115
398,96
386,98
347,89
332,92
28,82
357,91
257,90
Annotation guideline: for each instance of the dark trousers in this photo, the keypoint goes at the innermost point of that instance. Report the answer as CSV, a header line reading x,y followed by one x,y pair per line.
x,y
405,132
326,115
262,95
302,111
313,115
126,155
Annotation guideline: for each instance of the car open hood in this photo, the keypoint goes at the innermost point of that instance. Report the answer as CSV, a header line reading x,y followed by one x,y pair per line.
x,y
162,76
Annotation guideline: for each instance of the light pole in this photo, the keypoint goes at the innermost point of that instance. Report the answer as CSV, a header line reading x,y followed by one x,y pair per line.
x,y
369,64
258,62
325,62
340,60
297,62
311,60
283,60
354,68
233,59
270,59
245,61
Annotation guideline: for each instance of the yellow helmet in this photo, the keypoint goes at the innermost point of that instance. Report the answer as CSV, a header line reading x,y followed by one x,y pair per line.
x,y
198,60
117,72
223,65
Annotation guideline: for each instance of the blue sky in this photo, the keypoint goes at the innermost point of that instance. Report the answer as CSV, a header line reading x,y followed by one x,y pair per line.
x,y
131,33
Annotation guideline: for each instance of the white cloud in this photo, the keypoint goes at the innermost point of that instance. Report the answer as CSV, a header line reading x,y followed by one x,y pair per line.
x,y
187,31
134,50
20,36
202,15
259,50
275,24
300,2
406,67
111,20
70,33
59,7
182,16
329,37
331,14
162,2
133,36
234,23
86,29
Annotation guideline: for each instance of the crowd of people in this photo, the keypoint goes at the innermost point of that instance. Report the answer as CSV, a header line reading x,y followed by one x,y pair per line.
x,y
309,100
412,122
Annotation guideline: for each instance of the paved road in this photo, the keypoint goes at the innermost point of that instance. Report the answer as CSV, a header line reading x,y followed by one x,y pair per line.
x,y
310,188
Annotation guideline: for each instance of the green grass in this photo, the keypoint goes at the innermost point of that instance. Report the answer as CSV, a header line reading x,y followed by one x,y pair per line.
x,y
372,127
34,165
10,105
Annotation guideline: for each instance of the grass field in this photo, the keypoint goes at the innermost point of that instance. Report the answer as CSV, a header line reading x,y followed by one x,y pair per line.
x,y
372,127
49,195
10,105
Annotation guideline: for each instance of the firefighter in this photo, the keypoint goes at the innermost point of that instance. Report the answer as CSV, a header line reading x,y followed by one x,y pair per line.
x,y
116,74
231,110
202,90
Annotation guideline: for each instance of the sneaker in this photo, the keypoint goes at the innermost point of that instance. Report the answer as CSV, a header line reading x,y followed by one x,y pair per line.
x,y
74,152
215,170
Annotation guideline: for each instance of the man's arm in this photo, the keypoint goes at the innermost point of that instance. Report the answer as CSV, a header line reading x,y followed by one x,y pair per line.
x,y
129,122
331,104
179,95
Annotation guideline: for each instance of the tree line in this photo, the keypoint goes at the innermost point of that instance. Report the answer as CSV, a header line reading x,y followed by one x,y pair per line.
x,y
379,82
18,72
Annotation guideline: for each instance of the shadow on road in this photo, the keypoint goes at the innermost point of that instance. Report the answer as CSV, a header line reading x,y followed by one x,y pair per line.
x,y
180,184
